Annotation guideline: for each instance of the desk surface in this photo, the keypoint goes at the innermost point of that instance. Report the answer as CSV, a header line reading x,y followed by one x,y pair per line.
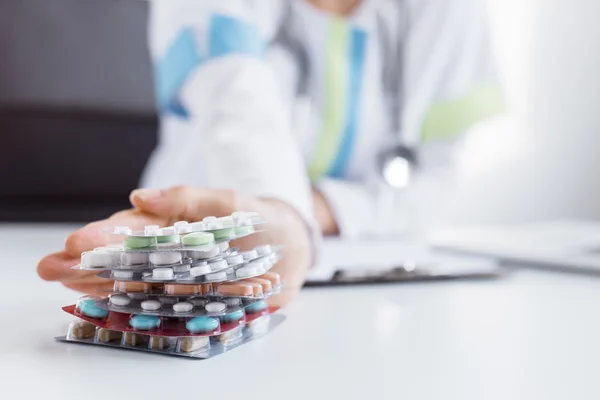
x,y
531,335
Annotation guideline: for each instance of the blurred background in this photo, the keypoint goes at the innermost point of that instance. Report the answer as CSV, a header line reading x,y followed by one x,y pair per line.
x,y
77,114
541,162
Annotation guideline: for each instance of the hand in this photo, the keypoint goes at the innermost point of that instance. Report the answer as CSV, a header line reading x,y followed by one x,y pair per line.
x,y
284,226
324,215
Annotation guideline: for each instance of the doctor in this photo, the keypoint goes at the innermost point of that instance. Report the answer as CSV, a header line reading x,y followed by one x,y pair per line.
x,y
315,113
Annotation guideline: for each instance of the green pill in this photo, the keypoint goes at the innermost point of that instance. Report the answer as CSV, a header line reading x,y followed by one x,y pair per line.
x,y
167,239
198,238
223,233
244,230
139,242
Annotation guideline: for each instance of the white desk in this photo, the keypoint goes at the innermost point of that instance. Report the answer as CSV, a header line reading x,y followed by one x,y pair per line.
x,y
533,335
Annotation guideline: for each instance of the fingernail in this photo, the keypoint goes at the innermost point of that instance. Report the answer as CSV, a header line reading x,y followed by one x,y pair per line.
x,y
145,194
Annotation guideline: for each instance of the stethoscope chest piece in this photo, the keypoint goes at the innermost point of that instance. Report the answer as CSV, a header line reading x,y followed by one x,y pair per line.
x,y
397,166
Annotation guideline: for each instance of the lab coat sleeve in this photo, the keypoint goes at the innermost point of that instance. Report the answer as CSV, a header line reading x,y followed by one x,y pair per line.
x,y
449,83
223,121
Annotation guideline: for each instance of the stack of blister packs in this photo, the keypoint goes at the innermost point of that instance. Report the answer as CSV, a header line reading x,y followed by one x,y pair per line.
x,y
179,290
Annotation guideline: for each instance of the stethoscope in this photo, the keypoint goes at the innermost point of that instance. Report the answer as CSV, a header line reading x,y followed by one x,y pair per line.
x,y
399,162
397,166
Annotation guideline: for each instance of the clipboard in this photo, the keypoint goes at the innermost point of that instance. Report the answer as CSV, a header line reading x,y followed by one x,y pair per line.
x,y
409,271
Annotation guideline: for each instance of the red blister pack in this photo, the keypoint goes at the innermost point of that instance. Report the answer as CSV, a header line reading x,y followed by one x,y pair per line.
x,y
256,315
168,327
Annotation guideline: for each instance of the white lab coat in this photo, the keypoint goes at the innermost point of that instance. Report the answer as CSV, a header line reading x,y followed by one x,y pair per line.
x,y
248,105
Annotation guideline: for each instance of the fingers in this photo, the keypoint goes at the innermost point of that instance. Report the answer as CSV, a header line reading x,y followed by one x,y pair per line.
x,y
86,238
184,202
92,235
57,266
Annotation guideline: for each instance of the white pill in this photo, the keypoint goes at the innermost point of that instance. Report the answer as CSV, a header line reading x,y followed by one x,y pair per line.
x,y
183,307
198,226
202,254
165,257
182,227
120,300
272,258
168,231
237,215
218,265
151,230
244,221
155,232
246,272
199,302
123,230
250,255
151,305
235,259
112,248
266,264
260,265
122,274
223,246
233,301
211,225
263,250
179,269
250,218
201,269
227,222
146,274
134,258
162,273
216,276
210,219
215,306
95,259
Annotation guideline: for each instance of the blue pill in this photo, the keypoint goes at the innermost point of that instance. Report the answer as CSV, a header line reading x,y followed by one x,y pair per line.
x,y
234,316
256,307
202,324
144,322
90,309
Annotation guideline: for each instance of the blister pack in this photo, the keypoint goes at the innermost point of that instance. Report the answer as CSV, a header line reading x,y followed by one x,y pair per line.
x,y
171,306
199,347
86,309
215,271
209,230
179,288
118,258
259,287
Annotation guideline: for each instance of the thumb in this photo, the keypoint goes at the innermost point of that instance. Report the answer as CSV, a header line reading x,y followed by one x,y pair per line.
x,y
184,202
